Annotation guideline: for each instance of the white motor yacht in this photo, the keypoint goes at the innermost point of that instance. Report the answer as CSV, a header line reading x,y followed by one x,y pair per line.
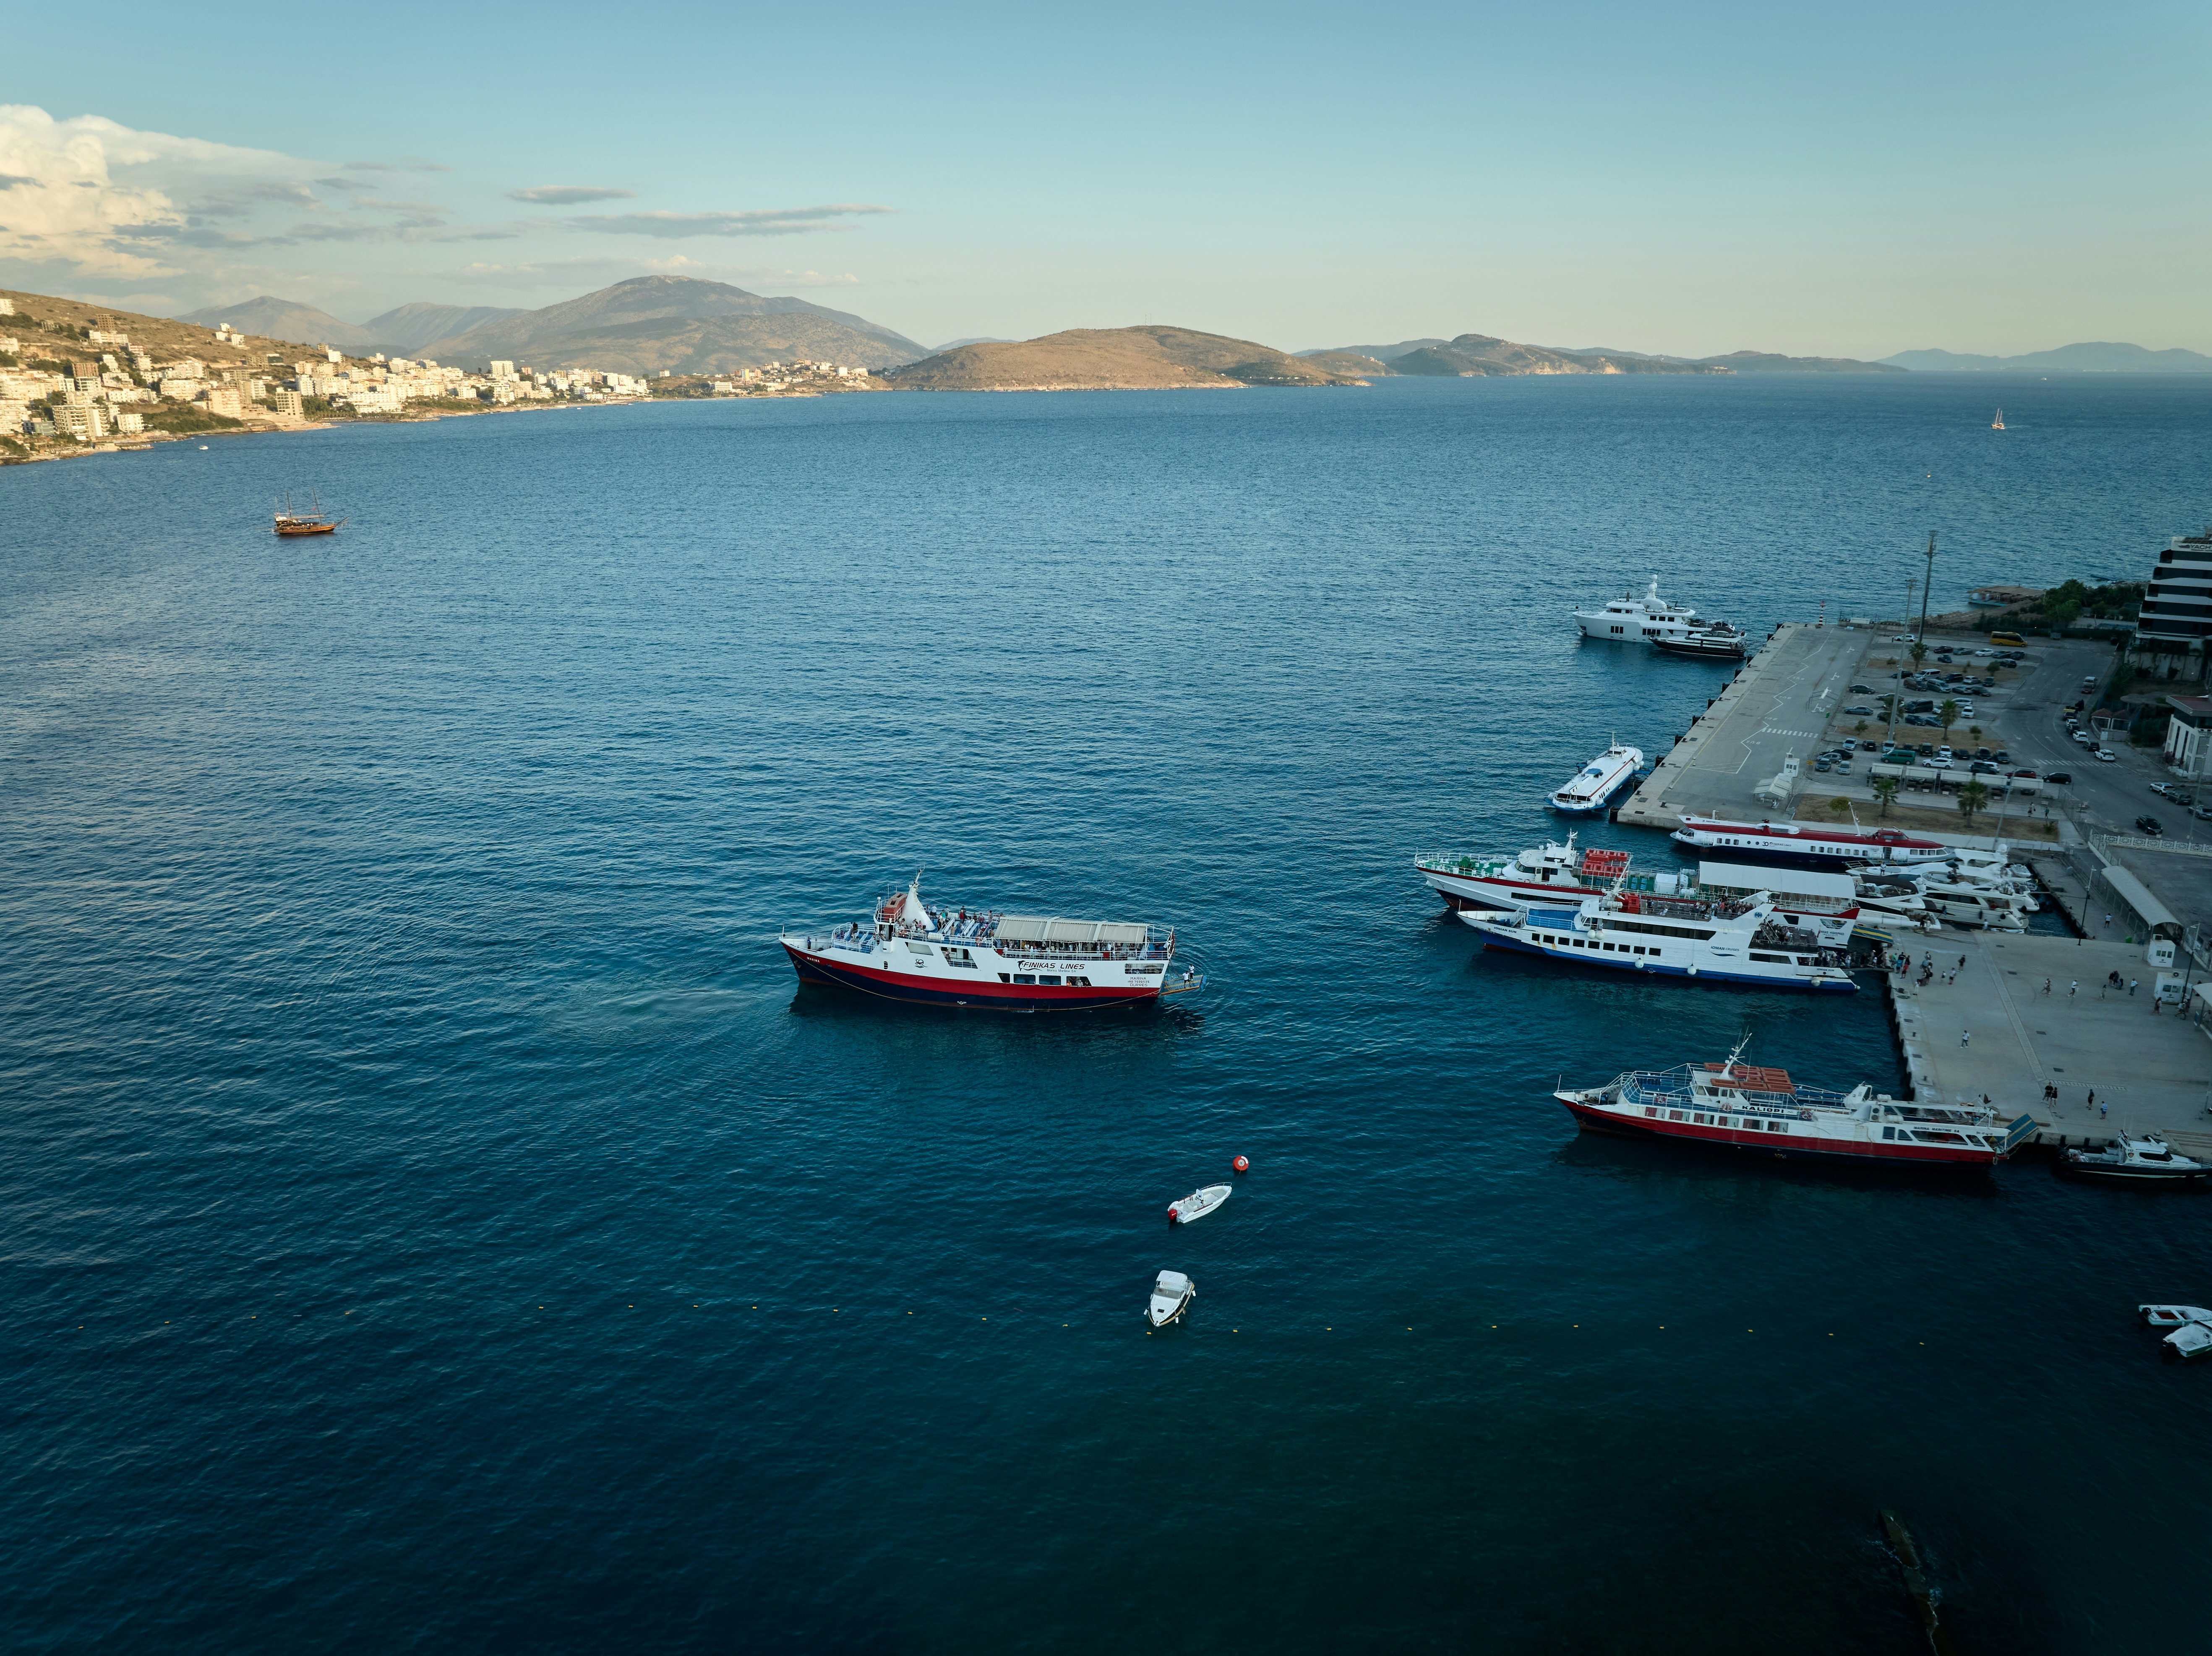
x,y
2144,1160
1629,619
1171,1296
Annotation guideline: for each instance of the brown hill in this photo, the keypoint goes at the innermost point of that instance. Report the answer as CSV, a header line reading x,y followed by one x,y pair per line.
x,y
1148,358
1473,354
1348,362
53,329
681,323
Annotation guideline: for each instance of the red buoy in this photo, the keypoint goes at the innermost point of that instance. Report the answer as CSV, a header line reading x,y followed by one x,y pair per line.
x,y
1241,1165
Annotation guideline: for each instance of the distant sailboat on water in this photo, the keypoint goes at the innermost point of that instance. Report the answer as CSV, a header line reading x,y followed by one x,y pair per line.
x,y
1998,424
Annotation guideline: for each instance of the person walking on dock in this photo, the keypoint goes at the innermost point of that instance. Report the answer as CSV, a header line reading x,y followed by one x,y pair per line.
x,y
2047,985
2073,988
2132,982
1965,1036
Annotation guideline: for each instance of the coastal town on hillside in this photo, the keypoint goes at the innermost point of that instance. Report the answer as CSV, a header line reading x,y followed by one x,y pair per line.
x,y
68,387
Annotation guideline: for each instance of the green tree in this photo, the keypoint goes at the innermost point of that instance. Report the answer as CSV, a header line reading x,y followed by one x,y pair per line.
x,y
1948,713
1918,652
1884,793
1972,798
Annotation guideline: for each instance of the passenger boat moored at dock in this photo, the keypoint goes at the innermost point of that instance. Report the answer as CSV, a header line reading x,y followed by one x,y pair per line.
x,y
1716,942
1598,784
982,958
1733,1106
1805,845
1554,876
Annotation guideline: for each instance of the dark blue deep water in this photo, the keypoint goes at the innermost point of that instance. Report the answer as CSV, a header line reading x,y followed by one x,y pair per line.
x,y
434,1219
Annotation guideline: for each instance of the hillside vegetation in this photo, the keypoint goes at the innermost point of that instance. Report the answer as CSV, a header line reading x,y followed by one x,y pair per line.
x,y
1148,358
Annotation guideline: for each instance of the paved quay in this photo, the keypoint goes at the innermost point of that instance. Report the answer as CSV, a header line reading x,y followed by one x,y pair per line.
x,y
1779,705
2152,1072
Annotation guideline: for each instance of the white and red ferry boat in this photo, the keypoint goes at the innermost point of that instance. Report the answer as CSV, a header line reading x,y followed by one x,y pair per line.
x,y
910,950
1806,845
1554,875
1733,1106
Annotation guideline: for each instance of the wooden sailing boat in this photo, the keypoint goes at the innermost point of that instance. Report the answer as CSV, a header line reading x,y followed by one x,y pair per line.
x,y
317,522
1998,424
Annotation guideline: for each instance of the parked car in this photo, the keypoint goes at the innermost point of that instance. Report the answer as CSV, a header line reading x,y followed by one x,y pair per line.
x,y
2159,788
1864,689
2106,755
2203,812
2086,739
1944,752
2149,825
1938,763
1858,710
2090,682
2027,776
2002,756
2181,796
1926,749
1983,767
1869,747
2062,777
1843,766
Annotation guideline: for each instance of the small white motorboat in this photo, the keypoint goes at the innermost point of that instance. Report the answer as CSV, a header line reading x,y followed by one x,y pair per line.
x,y
2190,1340
1197,1204
2174,1316
1171,1296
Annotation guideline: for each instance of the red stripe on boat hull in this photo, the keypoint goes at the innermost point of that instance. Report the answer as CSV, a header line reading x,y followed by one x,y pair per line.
x,y
1789,1148
918,991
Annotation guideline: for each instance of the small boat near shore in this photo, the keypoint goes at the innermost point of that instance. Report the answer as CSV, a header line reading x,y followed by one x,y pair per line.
x,y
1592,788
316,521
1718,642
1172,1293
1735,1106
2146,1158
1197,1204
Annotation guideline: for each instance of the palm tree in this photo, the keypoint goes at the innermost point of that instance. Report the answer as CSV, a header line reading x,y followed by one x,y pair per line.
x,y
1885,790
1918,652
1972,798
1948,713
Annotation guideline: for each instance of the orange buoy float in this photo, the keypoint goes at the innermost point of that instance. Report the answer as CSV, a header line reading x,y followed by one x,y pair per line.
x,y
1241,1165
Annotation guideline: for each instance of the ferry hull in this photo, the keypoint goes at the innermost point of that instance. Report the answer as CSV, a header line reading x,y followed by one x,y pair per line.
x,y
1699,973
1930,1157
816,969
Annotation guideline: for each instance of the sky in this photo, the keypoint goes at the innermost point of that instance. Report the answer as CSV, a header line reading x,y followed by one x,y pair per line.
x,y
1691,179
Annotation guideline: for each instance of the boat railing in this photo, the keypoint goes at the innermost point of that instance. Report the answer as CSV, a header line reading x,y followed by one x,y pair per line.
x,y
1459,862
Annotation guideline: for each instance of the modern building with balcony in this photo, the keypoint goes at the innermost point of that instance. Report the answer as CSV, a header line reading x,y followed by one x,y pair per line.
x,y
2176,619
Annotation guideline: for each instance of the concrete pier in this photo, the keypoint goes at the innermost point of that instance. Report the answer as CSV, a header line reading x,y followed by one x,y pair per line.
x,y
2152,1072
1780,704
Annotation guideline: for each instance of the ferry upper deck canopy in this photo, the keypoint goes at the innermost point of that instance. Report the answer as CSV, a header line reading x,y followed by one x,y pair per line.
x,y
1038,928
1792,882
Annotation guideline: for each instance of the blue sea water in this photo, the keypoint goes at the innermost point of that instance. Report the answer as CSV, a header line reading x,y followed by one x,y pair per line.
x,y
435,1220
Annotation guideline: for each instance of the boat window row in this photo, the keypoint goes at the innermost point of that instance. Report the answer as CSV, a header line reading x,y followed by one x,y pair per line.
x,y
1564,941
1713,1119
1048,979
1649,930
1785,960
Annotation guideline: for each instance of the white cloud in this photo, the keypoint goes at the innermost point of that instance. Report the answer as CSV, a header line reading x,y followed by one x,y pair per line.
x,y
112,202
568,194
761,222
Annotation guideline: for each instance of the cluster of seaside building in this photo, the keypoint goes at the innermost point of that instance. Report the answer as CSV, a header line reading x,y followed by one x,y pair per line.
x,y
108,392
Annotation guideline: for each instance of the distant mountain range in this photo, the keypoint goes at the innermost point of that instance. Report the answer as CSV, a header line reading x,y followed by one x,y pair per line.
x,y
1146,358
397,332
678,322
639,326
2095,358
1476,354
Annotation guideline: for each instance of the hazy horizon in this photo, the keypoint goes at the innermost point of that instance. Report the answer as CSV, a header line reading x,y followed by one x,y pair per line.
x,y
1693,184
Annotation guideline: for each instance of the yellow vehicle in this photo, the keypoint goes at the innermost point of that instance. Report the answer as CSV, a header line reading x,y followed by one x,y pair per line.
x,y
2013,639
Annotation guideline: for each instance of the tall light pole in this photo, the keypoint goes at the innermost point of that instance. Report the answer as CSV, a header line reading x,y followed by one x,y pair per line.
x,y
1897,701
1927,588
